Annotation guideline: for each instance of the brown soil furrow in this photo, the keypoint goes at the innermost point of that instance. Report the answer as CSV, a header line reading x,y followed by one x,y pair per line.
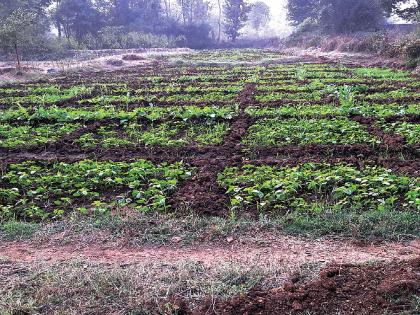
x,y
392,141
202,193
220,157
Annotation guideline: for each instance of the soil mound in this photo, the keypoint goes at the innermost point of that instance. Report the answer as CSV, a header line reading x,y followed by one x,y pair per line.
x,y
346,289
132,57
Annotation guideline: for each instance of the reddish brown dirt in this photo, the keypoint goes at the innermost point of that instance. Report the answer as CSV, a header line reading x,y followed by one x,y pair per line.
x,y
344,289
392,141
343,285
202,193
288,251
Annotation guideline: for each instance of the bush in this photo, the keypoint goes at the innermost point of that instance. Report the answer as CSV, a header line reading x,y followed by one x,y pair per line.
x,y
116,37
412,49
115,62
385,43
197,36
412,52
132,57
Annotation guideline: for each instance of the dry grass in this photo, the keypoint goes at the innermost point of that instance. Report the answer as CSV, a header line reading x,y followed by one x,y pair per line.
x,y
82,288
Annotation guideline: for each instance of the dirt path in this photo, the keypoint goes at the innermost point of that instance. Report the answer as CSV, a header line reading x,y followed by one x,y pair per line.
x,y
287,250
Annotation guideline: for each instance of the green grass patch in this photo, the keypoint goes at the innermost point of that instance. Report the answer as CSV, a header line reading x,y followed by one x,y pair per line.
x,y
372,224
17,230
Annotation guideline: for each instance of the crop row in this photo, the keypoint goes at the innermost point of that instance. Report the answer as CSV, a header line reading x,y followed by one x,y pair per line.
x,y
96,113
318,95
318,188
274,132
40,191
207,129
171,134
47,95
176,133
207,74
319,110
165,126
273,84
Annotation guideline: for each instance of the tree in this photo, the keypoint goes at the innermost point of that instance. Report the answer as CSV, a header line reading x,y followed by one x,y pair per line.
x,y
77,18
21,28
342,16
122,12
168,8
337,16
194,11
219,20
300,10
260,15
7,7
146,16
236,15
406,9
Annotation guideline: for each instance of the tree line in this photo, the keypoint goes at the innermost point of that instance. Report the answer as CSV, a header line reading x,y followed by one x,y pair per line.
x,y
37,26
111,24
347,16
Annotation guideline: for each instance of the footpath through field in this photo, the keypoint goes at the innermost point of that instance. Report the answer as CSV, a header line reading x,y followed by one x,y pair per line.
x,y
288,251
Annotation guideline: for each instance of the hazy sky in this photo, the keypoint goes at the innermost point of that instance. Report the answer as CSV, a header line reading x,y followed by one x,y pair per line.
x,y
279,22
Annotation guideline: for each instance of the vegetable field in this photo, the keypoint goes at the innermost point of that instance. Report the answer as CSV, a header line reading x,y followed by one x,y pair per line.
x,y
218,139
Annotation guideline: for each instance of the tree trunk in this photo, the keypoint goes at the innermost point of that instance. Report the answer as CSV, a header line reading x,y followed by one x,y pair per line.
x,y
59,30
220,20
17,58
192,11
183,11
167,8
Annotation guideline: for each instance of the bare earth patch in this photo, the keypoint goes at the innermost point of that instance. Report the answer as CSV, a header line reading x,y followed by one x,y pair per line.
x,y
288,251
111,277
35,70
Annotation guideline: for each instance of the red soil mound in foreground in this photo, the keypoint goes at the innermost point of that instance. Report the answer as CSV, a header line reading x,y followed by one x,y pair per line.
x,y
343,289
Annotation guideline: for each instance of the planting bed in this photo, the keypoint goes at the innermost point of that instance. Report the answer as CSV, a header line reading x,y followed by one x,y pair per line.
x,y
222,140
176,187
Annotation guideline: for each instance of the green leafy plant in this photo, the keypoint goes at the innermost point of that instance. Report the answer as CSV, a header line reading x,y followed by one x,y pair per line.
x,y
317,188
274,132
40,191
410,131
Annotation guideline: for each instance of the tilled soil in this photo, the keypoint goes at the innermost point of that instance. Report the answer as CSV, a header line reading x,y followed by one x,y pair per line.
x,y
341,289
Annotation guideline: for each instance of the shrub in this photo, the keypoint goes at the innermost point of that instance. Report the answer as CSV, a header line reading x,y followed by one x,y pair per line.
x,y
413,54
115,62
116,37
412,49
132,57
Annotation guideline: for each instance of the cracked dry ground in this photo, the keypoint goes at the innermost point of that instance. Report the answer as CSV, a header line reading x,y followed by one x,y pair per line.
x,y
97,272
